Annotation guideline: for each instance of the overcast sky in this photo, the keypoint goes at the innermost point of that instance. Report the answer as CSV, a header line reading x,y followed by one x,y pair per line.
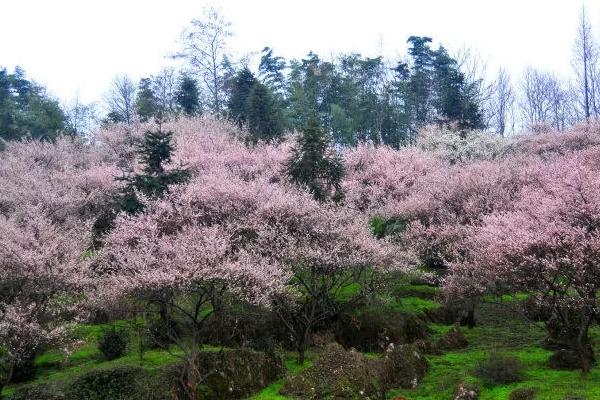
x,y
76,47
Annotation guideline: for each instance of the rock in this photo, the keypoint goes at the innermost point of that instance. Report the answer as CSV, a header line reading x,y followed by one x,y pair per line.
x,y
466,392
336,373
403,366
453,340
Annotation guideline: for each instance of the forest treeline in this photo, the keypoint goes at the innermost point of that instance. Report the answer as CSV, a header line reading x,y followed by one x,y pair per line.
x,y
354,97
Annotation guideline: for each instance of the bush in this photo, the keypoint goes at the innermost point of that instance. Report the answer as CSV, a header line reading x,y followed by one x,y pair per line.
x,y
37,392
522,394
565,359
499,369
24,369
120,383
373,329
236,374
338,374
453,340
113,343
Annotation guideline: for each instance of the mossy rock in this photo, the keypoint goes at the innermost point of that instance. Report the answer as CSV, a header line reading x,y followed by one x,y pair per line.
x,y
403,367
235,374
453,340
373,329
336,373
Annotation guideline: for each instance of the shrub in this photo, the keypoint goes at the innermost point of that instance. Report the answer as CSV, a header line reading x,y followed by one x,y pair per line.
x,y
338,374
453,339
120,383
522,394
565,359
374,328
24,369
236,374
113,343
37,392
499,369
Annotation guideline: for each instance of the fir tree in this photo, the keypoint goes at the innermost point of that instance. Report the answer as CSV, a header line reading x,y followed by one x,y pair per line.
x,y
145,104
262,115
242,86
187,96
154,151
313,164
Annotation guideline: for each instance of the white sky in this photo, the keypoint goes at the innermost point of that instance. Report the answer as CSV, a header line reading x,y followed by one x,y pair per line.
x,y
77,46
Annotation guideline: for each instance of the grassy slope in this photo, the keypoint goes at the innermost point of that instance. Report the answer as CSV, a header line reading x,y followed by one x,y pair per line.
x,y
498,329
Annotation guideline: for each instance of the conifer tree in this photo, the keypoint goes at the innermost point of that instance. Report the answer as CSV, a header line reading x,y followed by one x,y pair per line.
x,y
145,104
187,96
154,151
241,88
262,114
313,164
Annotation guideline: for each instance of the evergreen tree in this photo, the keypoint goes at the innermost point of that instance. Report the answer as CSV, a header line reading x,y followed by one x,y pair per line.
x,y
271,69
262,114
154,151
313,164
241,87
146,104
187,97
26,110
419,95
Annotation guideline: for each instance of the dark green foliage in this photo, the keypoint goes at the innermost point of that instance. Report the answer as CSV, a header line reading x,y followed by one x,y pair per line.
x,y
188,96
119,383
154,152
24,369
242,85
38,392
522,394
146,103
382,227
262,115
313,164
113,343
26,110
499,369
565,359
271,69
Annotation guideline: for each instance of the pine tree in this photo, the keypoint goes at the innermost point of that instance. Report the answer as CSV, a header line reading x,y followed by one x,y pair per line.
x,y
154,151
314,165
187,96
241,88
145,104
262,115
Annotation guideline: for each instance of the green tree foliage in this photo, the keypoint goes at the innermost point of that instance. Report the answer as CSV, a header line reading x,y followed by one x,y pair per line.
x,y
313,164
145,103
262,114
241,87
154,152
270,70
26,110
188,96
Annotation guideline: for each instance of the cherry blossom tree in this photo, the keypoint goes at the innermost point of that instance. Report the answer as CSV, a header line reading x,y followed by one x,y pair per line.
x,y
547,246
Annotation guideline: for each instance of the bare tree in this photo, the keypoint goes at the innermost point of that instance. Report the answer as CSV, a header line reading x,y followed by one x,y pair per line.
x,y
204,45
81,118
585,63
164,88
120,99
546,99
501,102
